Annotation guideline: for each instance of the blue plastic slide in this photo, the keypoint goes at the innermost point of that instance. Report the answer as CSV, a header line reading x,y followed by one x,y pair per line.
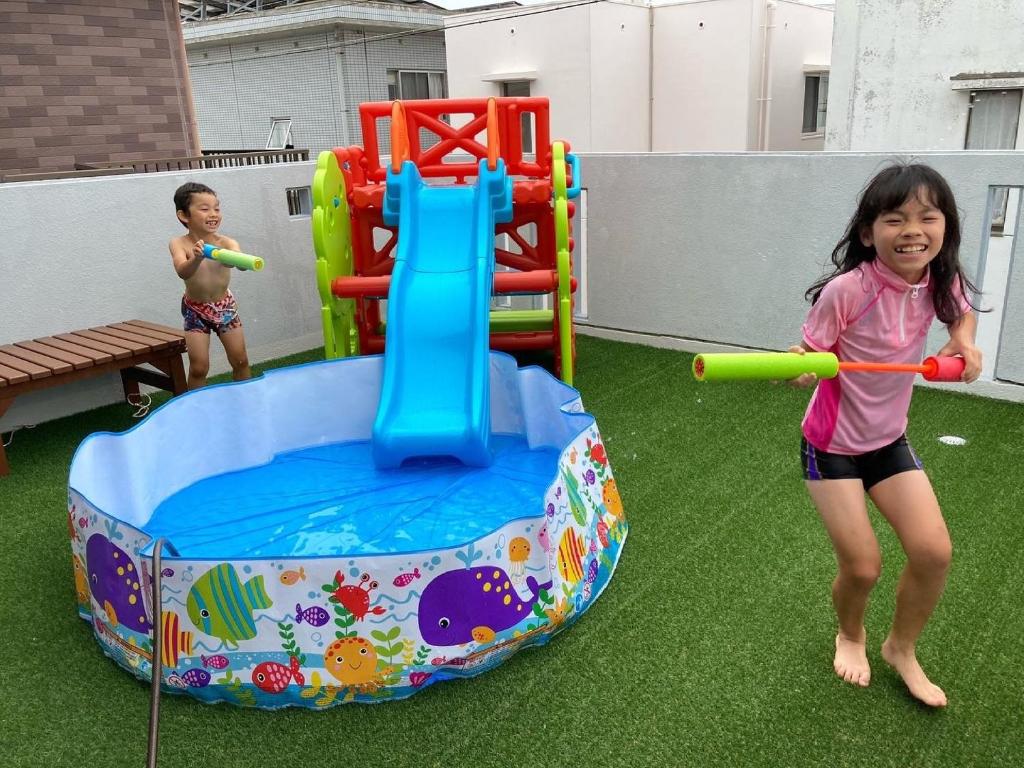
x,y
435,394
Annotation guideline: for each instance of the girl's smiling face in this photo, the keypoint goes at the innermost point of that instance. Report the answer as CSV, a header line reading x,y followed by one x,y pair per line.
x,y
908,238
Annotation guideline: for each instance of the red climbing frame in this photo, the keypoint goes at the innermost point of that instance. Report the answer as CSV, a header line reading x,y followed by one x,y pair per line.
x,y
454,127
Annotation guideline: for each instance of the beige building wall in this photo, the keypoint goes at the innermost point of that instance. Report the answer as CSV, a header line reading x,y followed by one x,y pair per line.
x,y
92,81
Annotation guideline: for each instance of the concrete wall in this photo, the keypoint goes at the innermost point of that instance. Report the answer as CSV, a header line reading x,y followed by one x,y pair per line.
x,y
690,82
709,62
892,63
702,88
590,61
84,252
619,75
722,247
318,79
689,249
802,36
238,88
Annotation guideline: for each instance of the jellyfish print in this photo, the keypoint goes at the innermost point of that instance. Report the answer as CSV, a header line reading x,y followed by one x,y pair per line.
x,y
518,554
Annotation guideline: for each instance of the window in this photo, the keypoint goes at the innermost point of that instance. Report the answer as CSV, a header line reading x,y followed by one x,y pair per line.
x,y
280,133
815,101
992,118
521,88
299,201
406,84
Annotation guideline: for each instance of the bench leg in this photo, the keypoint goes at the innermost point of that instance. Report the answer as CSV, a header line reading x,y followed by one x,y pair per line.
x,y
130,385
4,467
175,370
171,377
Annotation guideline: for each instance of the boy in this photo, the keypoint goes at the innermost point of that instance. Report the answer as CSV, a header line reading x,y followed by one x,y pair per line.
x,y
208,304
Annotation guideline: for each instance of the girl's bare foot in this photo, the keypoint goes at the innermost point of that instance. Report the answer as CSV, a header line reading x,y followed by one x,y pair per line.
x,y
906,666
851,662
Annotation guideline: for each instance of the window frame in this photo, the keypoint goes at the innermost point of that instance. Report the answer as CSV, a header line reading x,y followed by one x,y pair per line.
x,y
526,126
821,105
1000,194
274,122
972,98
395,88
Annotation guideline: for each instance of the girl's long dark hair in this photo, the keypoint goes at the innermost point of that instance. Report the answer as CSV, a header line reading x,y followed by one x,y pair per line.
x,y
886,192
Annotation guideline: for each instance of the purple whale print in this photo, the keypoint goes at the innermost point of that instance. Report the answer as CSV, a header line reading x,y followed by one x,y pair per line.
x,y
472,604
116,584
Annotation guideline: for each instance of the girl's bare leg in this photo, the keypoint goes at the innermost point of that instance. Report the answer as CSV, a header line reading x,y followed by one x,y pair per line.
x,y
844,512
908,502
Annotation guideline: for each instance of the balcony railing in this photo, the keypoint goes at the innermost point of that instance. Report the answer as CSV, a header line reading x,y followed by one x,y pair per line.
x,y
214,159
201,10
209,159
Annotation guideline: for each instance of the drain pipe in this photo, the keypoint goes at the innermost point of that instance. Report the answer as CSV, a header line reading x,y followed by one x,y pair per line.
x,y
650,79
765,95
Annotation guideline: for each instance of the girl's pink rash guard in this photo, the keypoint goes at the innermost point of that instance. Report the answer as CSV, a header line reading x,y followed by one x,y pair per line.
x,y
869,314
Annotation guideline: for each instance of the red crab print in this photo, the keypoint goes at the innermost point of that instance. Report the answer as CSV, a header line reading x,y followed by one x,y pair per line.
x,y
597,454
354,597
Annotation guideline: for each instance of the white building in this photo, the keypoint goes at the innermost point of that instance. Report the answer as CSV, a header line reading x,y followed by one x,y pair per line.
x,y
296,74
624,75
923,75
927,74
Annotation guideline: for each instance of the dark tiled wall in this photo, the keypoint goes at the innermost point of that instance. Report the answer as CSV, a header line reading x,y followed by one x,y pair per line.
x,y
91,81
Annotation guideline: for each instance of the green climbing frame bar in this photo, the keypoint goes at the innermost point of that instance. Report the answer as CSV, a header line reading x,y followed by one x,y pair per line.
x,y
563,260
332,241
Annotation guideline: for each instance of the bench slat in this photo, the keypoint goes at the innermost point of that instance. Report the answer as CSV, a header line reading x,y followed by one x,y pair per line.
x,y
179,333
157,337
11,376
119,353
114,341
149,343
46,361
95,355
77,361
33,370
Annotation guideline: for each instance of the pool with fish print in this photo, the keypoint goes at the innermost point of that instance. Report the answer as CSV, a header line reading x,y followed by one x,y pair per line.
x,y
297,574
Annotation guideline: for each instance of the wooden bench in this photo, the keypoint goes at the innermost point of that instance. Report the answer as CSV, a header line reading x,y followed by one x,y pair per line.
x,y
30,365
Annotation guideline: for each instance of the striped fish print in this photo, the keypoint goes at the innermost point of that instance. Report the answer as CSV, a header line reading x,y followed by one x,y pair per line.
x,y
176,642
570,555
219,604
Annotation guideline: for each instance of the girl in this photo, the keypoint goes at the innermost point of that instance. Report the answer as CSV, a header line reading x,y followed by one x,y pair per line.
x,y
897,269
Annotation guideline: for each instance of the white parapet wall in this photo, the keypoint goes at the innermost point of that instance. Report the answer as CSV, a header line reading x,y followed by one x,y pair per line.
x,y
692,250
689,250
82,252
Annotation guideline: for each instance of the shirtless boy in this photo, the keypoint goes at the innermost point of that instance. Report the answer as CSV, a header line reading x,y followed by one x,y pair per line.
x,y
208,304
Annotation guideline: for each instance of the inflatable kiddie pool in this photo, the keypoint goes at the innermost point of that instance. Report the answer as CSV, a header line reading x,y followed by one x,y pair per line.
x,y
296,572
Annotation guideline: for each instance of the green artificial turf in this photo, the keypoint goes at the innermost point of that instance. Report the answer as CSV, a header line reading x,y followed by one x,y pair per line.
x,y
710,647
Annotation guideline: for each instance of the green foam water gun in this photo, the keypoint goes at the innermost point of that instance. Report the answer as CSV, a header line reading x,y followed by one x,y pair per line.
x,y
781,366
233,258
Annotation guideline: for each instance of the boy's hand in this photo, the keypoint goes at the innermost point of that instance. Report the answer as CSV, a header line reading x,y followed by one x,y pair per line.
x,y
971,355
804,379
197,249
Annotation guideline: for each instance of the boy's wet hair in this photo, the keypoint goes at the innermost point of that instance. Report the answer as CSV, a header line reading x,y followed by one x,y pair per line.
x,y
887,191
183,194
